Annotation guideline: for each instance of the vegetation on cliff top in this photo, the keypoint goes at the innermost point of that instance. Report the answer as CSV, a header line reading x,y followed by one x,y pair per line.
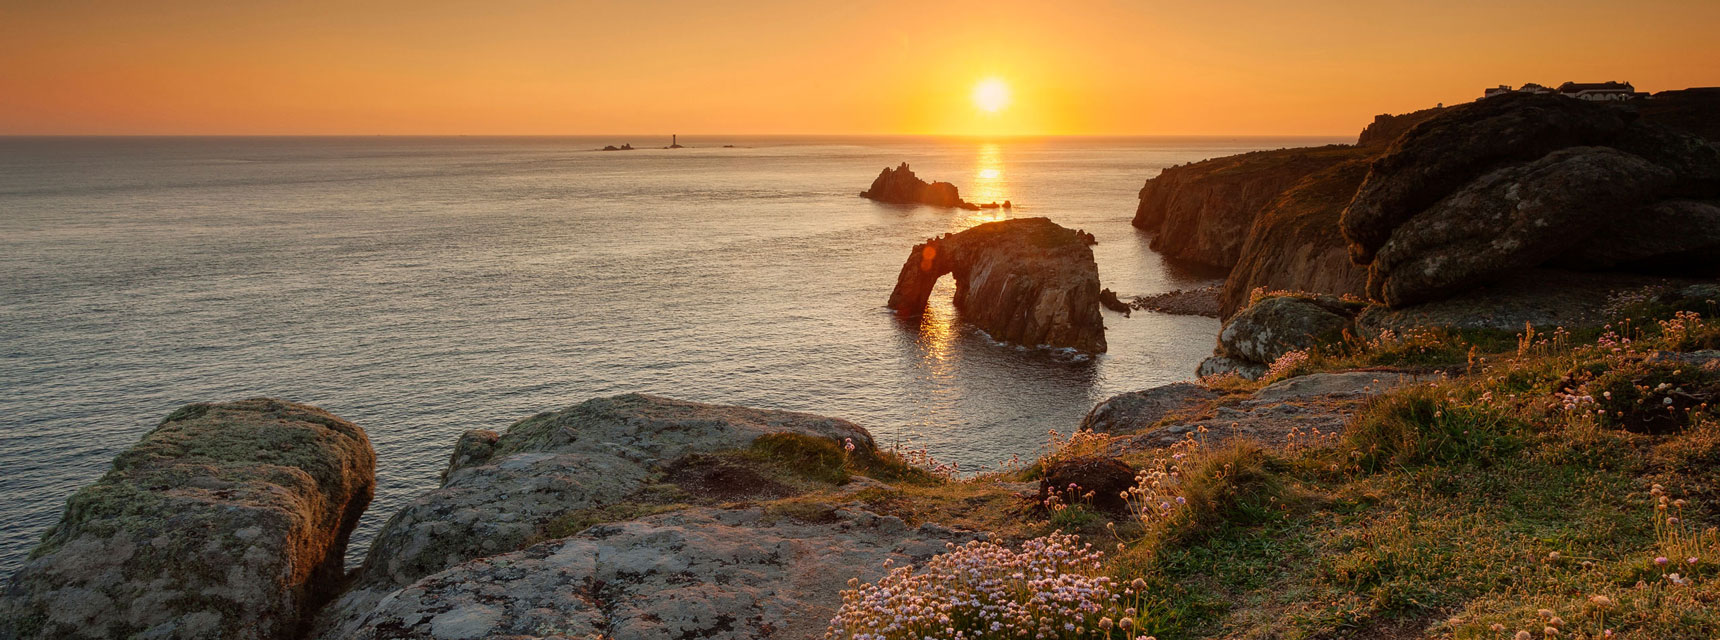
x,y
1555,485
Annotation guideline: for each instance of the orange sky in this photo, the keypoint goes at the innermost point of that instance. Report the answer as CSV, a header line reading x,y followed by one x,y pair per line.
x,y
869,66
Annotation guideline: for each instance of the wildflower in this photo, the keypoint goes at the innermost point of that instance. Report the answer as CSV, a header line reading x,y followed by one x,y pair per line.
x,y
1497,627
1545,613
1661,561
1602,602
1550,632
1556,622
1553,555
1523,635
1692,560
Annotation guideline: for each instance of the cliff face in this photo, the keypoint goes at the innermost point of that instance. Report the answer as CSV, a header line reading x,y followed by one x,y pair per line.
x,y
1294,245
1025,281
1196,211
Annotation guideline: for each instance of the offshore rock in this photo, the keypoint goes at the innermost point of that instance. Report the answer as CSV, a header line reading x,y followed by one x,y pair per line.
x,y
699,573
501,495
226,521
1025,281
901,186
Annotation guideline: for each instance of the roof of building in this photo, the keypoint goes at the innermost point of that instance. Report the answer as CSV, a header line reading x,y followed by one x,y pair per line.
x,y
1576,87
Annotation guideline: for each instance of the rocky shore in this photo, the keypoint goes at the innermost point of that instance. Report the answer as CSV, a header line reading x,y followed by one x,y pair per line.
x,y
901,186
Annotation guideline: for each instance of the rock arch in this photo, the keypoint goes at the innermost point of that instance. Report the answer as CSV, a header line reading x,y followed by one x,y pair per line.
x,y
1026,281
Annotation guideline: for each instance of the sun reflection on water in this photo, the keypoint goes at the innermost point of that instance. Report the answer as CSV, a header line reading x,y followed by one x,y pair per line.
x,y
989,185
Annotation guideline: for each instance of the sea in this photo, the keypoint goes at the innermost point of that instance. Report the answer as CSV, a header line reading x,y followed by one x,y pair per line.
x,y
423,287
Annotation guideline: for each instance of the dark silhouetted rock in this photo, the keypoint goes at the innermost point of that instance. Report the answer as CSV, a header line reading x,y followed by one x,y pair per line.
x,y
226,521
1511,219
1519,181
1075,478
1183,302
901,186
1109,298
1025,281
1222,365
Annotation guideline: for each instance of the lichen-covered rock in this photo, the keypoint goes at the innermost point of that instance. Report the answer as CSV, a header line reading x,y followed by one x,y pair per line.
x,y
1512,182
1224,365
700,573
1508,220
901,186
1098,481
226,521
1445,152
594,454
1317,405
1026,281
1137,410
1274,326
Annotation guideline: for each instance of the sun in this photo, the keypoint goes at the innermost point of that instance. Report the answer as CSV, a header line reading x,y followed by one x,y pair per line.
x,y
991,95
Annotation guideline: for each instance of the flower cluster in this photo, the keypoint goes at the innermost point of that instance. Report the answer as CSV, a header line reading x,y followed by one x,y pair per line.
x,y
1286,364
924,459
1053,587
1154,500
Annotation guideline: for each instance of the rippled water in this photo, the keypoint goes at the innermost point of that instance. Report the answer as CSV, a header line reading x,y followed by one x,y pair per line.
x,y
423,287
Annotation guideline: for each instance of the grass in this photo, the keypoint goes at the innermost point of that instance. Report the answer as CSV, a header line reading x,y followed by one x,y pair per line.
x,y
1517,495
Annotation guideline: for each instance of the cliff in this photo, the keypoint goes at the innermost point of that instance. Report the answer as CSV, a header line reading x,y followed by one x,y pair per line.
x,y
1195,211
1026,281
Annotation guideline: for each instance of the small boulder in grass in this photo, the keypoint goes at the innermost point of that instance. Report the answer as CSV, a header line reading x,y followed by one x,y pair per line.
x,y
1103,477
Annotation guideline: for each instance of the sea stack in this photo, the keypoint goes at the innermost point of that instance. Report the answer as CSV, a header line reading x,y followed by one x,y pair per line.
x,y
901,186
1026,281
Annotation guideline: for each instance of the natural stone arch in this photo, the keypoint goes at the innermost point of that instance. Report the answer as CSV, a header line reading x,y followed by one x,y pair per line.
x,y
1026,281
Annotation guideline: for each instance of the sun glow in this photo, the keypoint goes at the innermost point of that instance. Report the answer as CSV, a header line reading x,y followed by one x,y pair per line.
x,y
991,95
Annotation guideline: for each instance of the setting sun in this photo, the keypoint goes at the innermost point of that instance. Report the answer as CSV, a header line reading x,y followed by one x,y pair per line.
x,y
991,95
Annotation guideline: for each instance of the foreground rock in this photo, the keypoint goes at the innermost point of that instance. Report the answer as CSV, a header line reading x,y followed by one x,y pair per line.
x,y
1301,408
1517,181
226,521
700,573
1257,336
1138,410
1096,481
1025,281
901,186
503,492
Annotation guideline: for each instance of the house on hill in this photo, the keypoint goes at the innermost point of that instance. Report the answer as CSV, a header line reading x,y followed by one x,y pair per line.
x,y
1608,91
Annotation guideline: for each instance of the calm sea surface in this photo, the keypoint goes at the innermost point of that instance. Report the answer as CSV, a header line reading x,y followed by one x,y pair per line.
x,y
424,287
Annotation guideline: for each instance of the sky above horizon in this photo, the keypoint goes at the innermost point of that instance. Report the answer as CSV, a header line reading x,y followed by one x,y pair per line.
x,y
523,67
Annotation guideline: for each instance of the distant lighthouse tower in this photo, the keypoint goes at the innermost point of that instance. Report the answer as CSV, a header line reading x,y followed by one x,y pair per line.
x,y
673,142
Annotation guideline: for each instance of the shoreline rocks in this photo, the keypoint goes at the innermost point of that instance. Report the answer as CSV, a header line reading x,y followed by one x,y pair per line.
x,y
504,492
1025,281
698,573
1203,301
227,520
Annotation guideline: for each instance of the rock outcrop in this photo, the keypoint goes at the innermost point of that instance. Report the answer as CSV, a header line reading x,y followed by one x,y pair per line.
x,y
1026,281
1138,410
1198,212
1300,407
503,492
1272,327
226,521
700,573
1096,481
901,186
1517,181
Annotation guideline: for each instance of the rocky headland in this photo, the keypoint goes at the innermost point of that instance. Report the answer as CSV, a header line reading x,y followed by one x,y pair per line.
x,y
1456,203
1025,281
